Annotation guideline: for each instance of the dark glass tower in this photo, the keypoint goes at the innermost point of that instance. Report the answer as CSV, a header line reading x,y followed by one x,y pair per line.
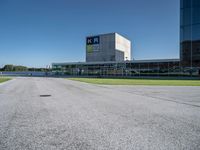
x,y
190,33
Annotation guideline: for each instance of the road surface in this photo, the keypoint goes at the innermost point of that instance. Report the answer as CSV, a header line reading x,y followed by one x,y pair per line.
x,y
50,113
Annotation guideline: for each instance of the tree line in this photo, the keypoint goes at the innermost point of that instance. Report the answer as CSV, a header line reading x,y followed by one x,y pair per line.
x,y
11,67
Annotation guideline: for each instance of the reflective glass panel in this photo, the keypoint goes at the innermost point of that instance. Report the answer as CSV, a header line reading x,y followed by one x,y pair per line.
x,y
196,15
196,32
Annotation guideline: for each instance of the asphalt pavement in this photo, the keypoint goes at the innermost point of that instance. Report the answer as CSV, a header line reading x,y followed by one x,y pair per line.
x,y
51,113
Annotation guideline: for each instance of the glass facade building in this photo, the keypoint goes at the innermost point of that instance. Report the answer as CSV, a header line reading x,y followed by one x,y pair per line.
x,y
163,67
190,33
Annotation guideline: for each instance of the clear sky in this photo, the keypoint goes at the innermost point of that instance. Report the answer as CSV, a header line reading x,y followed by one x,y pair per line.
x,y
36,33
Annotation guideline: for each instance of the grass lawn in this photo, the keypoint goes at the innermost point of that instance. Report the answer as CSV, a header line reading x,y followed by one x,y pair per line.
x,y
3,79
161,82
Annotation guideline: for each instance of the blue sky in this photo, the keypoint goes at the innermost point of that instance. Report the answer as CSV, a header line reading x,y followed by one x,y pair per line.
x,y
36,33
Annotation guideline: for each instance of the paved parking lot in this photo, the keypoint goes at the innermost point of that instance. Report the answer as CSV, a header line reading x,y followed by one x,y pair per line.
x,y
50,113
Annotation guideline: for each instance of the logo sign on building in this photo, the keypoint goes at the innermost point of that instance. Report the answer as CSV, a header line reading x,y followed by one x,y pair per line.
x,y
93,40
92,44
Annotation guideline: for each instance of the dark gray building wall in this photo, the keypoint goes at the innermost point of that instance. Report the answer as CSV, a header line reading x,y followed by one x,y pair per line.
x,y
190,33
106,50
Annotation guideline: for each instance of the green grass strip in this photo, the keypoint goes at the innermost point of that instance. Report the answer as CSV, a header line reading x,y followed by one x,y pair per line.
x,y
161,82
4,79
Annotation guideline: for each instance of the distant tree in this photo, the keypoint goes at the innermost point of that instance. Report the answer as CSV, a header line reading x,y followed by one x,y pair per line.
x,y
20,68
31,69
8,68
14,68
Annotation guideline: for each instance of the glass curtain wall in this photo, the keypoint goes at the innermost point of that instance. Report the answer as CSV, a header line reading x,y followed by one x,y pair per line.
x,y
190,33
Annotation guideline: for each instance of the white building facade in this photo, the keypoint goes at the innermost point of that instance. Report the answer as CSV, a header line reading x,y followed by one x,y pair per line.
x,y
107,47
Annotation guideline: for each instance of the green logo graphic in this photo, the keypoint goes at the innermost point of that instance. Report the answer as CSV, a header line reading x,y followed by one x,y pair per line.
x,y
89,48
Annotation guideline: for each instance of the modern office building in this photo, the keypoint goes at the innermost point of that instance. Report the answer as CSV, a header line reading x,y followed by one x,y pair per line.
x,y
107,47
190,33
110,54
162,67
